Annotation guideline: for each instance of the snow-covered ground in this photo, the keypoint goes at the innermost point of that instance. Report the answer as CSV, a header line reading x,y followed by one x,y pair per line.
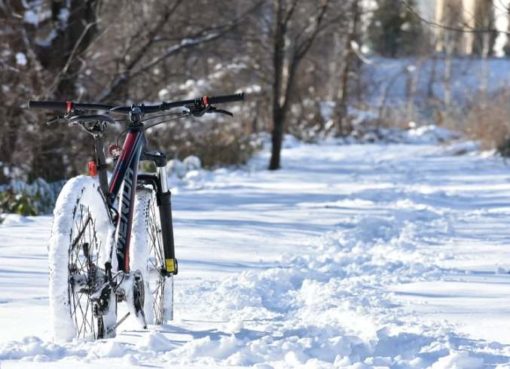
x,y
391,79
352,256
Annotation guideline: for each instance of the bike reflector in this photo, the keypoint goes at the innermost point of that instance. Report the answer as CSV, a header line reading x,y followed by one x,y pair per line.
x,y
92,168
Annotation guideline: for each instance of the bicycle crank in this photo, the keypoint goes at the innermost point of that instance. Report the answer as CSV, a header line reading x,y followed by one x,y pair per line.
x,y
130,288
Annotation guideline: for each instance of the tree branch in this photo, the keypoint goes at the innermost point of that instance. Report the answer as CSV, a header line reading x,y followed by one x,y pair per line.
x,y
465,29
305,45
205,36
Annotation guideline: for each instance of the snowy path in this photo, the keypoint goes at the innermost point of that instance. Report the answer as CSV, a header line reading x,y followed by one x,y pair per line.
x,y
353,256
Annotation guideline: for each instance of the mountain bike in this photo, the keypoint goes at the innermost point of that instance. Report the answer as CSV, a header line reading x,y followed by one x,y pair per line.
x,y
112,238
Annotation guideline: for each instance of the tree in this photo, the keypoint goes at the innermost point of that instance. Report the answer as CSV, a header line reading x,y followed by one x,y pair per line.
x,y
394,30
95,50
292,41
72,28
350,63
484,17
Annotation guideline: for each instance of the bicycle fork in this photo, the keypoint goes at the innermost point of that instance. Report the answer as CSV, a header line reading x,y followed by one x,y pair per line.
x,y
163,200
165,214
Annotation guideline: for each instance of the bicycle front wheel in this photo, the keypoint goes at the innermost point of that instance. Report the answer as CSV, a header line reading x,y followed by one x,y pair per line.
x,y
147,255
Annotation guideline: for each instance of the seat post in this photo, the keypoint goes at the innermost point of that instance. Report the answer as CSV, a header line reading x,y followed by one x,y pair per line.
x,y
101,163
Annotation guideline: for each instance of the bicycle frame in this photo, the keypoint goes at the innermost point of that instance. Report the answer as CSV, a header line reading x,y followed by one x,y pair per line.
x,y
123,183
120,195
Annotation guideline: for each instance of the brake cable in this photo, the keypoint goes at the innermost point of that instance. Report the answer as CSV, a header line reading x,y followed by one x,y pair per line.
x,y
175,117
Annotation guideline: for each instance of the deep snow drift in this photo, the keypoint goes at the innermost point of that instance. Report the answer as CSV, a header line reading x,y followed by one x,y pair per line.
x,y
355,256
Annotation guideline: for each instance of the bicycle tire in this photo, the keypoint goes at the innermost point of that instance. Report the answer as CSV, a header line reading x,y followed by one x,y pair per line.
x,y
80,245
147,255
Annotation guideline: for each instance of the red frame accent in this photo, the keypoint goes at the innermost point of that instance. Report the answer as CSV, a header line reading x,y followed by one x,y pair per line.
x,y
127,159
92,168
205,100
127,151
69,106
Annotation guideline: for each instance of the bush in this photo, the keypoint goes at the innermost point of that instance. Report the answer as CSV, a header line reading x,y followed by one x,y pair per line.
x,y
20,203
487,121
214,143
29,199
395,31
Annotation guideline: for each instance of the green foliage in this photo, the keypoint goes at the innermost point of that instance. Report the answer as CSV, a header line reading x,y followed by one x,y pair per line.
x,y
20,203
29,199
395,31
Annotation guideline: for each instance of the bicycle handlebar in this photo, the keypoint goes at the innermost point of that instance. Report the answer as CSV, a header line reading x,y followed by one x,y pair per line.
x,y
68,106
65,106
226,98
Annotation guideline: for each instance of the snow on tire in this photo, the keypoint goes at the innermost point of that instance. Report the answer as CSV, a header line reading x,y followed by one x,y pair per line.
x,y
79,199
147,256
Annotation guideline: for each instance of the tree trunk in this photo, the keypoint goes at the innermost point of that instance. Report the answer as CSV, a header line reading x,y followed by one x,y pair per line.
x,y
278,65
341,106
277,139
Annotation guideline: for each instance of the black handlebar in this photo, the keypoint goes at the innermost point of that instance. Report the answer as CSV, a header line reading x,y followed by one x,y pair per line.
x,y
68,106
226,98
65,106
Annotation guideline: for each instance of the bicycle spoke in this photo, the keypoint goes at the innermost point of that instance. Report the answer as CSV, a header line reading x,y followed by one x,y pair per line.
x,y
83,266
156,261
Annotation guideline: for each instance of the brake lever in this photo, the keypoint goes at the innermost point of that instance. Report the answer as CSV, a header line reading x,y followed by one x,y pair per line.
x,y
197,110
55,120
213,109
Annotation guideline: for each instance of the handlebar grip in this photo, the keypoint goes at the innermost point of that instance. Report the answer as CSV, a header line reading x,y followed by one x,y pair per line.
x,y
226,98
49,105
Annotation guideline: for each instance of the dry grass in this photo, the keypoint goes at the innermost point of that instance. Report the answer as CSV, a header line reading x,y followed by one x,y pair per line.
x,y
488,121
485,119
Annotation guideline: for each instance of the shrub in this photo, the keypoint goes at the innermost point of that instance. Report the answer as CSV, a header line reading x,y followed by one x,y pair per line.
x,y
214,143
488,121
29,199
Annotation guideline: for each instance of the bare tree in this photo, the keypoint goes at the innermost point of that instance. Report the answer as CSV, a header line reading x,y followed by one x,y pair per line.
x,y
350,62
290,46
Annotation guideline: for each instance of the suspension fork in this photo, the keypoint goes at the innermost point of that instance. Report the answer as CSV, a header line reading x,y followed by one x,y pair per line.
x,y
163,199
165,214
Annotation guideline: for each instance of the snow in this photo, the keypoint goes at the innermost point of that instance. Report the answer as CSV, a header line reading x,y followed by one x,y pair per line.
x,y
192,163
21,59
430,134
81,190
31,17
389,79
352,256
36,15
63,16
501,23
